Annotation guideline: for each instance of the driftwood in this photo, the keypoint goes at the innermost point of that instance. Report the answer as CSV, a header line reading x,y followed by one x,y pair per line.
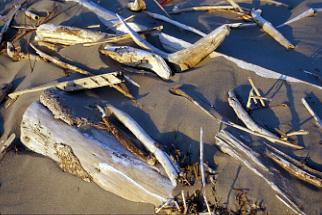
x,y
6,144
294,170
93,155
226,142
252,125
235,5
7,24
138,58
202,8
270,29
67,35
17,55
308,13
277,3
31,15
137,5
103,80
176,23
150,144
4,90
161,7
317,119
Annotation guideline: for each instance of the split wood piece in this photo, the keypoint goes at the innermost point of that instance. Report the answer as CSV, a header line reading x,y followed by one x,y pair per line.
x,y
59,62
4,90
317,119
176,23
148,142
136,5
308,13
186,58
270,29
107,125
16,55
224,145
6,144
294,170
31,15
294,161
50,46
93,155
185,207
92,82
252,125
256,91
202,172
277,3
138,58
124,37
66,35
162,8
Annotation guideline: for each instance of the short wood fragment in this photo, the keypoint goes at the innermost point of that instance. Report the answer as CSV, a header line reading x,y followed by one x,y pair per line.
x,y
256,91
317,119
17,55
31,15
7,24
308,13
4,90
6,144
270,29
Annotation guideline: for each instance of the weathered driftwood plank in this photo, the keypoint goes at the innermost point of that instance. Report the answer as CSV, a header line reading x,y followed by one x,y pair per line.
x,y
137,5
316,117
226,142
150,144
16,55
138,58
270,29
94,156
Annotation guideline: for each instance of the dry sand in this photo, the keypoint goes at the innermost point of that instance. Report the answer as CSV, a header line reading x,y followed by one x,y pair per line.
x,y
30,183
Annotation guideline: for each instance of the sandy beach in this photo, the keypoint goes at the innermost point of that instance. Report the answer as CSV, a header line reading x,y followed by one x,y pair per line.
x,y
34,184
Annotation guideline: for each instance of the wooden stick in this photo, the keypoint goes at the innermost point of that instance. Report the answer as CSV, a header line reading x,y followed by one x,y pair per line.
x,y
270,30
256,91
162,8
309,12
58,62
235,5
136,5
138,58
297,133
147,141
16,55
249,100
31,15
176,23
7,24
313,114
6,144
277,3
4,90
201,8
202,172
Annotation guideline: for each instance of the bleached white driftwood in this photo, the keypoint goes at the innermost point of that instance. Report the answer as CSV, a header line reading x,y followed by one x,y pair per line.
x,y
277,3
67,35
93,155
161,7
235,5
96,81
294,170
202,8
31,15
270,29
138,58
147,141
59,62
317,119
173,44
4,90
309,12
7,24
225,145
176,23
4,145
137,5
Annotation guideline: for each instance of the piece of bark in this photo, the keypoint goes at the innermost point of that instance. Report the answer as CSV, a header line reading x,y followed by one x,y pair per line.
x,y
136,5
308,13
4,90
148,142
67,35
176,23
270,29
138,58
252,125
317,119
92,82
6,144
225,140
93,155
294,170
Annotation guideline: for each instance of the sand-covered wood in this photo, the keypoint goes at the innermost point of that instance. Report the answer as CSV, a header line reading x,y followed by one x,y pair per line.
x,y
94,156
138,58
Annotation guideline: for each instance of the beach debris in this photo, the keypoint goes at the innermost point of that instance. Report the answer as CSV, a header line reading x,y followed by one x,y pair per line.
x,y
277,3
235,6
162,8
93,155
185,208
67,35
225,140
308,13
242,114
7,24
270,29
31,15
16,55
4,145
121,137
4,90
176,10
317,118
138,58
202,172
254,94
59,62
150,144
109,79
176,23
136,5
285,136
294,170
